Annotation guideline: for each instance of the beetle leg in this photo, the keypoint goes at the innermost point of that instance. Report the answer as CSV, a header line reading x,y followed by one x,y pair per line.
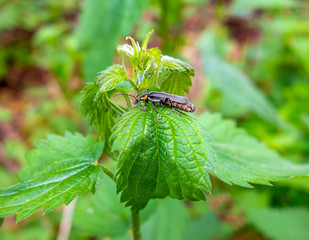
x,y
176,111
153,105
145,106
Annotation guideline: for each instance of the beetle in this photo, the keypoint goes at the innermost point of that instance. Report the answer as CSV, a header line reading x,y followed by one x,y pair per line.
x,y
166,99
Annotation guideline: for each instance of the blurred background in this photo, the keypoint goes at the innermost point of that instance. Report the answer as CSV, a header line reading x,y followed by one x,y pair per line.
x,y
252,65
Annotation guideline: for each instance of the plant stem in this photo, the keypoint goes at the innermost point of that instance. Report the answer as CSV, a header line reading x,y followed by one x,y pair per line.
x,y
136,225
108,173
126,97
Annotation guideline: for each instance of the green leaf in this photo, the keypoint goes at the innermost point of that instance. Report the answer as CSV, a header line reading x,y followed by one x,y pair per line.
x,y
166,159
171,64
176,76
281,224
102,23
176,83
168,222
146,40
125,49
208,226
243,159
109,78
58,170
101,111
106,217
244,7
237,86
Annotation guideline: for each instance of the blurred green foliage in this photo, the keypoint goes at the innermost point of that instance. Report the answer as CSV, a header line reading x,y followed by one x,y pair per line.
x,y
254,55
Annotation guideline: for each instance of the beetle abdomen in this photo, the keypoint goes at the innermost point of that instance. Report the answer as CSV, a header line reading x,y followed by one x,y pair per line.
x,y
184,107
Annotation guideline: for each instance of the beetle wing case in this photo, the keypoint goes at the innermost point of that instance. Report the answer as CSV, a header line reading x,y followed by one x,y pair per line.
x,y
173,98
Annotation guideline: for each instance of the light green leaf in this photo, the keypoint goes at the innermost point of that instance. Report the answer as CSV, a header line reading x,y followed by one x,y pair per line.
x,y
146,40
281,224
208,226
102,23
243,159
168,222
175,77
166,159
106,217
58,170
245,7
171,64
109,78
234,84
125,49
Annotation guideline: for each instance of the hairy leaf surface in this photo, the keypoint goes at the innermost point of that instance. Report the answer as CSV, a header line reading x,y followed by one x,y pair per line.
x,y
175,77
243,159
109,78
58,170
171,158
101,111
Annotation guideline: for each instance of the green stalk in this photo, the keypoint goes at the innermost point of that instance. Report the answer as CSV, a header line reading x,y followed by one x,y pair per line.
x,y
126,97
136,225
108,173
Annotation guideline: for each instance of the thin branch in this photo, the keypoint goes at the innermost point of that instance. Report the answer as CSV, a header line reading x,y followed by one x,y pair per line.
x,y
66,221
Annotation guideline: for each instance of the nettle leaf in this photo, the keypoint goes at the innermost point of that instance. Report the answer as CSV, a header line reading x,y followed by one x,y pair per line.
x,y
168,222
281,224
58,170
237,86
146,40
175,77
101,111
125,49
171,64
176,83
243,159
171,158
111,77
99,31
106,216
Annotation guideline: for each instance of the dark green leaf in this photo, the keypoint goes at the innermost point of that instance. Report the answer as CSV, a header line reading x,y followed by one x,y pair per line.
x,y
176,83
102,23
243,159
58,170
166,159
101,111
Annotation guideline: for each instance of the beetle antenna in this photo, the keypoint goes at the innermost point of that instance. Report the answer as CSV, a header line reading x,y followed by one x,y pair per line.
x,y
125,94
143,91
